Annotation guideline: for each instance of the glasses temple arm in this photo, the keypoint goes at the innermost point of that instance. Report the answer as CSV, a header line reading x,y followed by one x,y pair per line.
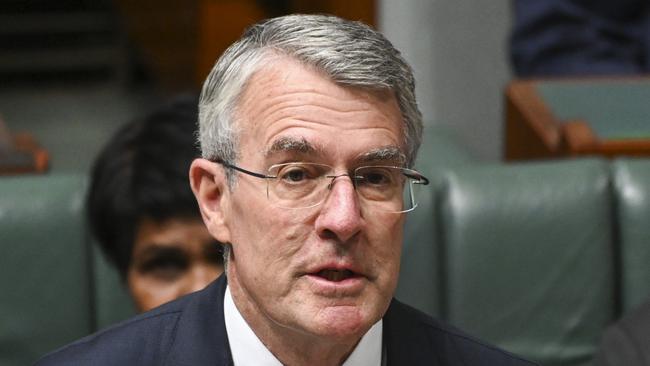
x,y
258,175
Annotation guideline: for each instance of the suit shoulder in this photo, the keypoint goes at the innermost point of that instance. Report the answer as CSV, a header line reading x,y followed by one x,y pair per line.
x,y
141,340
625,342
447,343
637,322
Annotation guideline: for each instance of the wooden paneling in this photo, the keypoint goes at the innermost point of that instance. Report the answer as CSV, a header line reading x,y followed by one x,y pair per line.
x,y
534,131
179,41
220,23
164,35
361,10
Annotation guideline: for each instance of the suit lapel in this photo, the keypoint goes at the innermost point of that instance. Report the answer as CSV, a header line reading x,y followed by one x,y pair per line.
x,y
404,341
200,337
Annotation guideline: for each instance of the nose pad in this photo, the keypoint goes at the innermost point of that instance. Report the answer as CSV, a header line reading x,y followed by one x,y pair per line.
x,y
349,188
335,177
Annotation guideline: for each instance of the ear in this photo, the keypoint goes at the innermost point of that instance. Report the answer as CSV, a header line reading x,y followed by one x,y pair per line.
x,y
208,182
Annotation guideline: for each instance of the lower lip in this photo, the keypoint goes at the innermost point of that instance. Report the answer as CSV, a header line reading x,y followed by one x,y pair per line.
x,y
347,287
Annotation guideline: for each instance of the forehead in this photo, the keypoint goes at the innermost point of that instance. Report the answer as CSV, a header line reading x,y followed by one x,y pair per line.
x,y
287,106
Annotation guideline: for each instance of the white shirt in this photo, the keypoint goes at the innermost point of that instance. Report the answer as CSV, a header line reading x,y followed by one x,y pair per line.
x,y
248,350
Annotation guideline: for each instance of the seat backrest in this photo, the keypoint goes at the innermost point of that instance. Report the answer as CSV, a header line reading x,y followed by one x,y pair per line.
x,y
419,283
527,256
46,290
113,302
56,286
632,186
536,258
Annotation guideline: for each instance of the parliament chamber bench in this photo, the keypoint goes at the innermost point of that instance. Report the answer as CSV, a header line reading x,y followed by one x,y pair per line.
x,y
537,258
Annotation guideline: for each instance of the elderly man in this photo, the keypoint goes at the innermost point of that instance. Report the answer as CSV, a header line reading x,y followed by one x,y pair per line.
x,y
308,129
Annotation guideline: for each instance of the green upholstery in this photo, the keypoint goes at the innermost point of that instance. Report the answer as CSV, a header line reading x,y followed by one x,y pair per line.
x,y
614,109
420,264
113,303
56,286
45,284
538,258
632,185
521,245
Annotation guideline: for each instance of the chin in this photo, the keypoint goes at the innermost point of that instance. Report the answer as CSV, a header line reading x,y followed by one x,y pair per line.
x,y
341,322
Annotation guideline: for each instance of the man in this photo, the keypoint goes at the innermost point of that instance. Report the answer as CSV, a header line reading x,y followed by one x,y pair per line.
x,y
308,127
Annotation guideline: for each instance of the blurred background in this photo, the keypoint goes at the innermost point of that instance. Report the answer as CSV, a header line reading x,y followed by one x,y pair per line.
x,y
89,65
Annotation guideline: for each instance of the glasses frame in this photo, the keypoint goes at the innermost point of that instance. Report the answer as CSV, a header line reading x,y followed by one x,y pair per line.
x,y
417,178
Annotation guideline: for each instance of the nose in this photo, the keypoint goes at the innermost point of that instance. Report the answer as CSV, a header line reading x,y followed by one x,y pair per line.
x,y
340,216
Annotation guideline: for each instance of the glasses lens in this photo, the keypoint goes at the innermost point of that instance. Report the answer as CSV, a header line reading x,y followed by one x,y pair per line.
x,y
382,188
297,185
387,188
410,194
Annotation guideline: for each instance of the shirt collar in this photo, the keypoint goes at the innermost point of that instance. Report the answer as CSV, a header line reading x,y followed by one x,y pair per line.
x,y
247,349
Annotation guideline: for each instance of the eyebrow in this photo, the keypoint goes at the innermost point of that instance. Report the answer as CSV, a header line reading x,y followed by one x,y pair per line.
x,y
391,154
291,144
151,257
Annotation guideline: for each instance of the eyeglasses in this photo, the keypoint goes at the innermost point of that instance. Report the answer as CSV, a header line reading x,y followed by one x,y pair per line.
x,y
304,185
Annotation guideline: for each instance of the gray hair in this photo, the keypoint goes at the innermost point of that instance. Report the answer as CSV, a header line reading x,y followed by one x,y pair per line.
x,y
350,53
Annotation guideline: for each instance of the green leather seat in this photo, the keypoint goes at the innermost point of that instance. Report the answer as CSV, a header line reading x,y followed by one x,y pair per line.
x,y
528,257
632,184
113,303
420,265
536,258
56,286
45,283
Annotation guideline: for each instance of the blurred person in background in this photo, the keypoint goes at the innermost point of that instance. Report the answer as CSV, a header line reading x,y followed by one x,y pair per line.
x,y
580,37
143,213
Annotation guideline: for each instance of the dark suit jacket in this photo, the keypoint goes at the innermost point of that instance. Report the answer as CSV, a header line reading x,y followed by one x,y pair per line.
x,y
628,341
191,331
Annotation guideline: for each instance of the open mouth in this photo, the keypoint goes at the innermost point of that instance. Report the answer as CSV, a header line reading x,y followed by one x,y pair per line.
x,y
336,275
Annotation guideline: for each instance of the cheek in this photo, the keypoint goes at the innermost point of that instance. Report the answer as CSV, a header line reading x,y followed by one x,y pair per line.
x,y
267,250
148,294
386,237
277,232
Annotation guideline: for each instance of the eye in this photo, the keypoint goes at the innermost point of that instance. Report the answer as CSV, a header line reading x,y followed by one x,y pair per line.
x,y
299,173
295,175
166,267
375,176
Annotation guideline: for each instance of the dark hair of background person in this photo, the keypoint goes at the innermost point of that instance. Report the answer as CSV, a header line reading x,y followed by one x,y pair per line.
x,y
142,172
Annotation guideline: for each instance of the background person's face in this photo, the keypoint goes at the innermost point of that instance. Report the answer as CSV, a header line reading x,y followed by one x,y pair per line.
x,y
290,269
171,259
